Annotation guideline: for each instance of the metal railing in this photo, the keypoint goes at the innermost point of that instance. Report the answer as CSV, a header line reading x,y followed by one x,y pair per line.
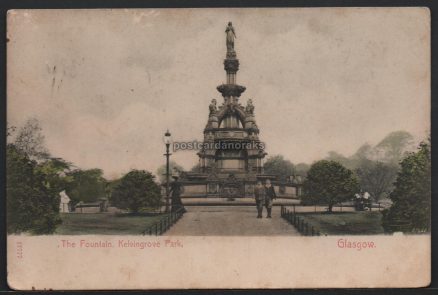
x,y
161,226
399,225
338,207
299,222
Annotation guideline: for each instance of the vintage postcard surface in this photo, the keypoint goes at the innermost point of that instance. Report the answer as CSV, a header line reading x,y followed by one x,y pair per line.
x,y
218,148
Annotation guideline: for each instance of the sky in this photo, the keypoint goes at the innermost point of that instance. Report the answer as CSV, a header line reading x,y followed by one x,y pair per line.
x,y
106,84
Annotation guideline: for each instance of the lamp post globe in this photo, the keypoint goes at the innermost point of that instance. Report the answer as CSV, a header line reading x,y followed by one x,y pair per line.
x,y
167,140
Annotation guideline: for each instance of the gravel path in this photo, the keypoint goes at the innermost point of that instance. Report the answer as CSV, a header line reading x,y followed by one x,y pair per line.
x,y
230,221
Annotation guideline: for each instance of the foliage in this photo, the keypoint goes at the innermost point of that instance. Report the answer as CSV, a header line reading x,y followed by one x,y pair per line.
x,y
32,193
277,165
411,197
364,152
344,161
376,167
302,169
382,159
86,185
328,182
393,147
30,140
52,172
136,190
389,150
174,168
111,185
376,177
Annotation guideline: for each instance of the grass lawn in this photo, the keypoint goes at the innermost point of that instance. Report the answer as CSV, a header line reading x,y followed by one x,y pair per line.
x,y
105,223
346,223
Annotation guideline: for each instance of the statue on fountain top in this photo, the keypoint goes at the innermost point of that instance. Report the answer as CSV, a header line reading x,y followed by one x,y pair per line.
x,y
231,34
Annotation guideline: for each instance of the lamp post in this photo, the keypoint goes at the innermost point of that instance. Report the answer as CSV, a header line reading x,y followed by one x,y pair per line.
x,y
167,141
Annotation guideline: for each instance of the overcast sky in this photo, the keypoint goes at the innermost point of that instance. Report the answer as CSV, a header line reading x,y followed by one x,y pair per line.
x,y
105,84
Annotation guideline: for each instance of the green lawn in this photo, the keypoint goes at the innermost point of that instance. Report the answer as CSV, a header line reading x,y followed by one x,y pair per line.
x,y
105,223
346,223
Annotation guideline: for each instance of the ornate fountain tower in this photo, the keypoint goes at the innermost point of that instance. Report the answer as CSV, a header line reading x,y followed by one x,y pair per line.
x,y
231,160
232,149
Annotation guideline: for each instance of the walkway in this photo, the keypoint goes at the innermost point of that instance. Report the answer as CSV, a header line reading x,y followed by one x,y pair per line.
x,y
230,221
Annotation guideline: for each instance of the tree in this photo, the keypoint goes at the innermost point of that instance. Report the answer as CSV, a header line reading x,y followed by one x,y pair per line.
x,y
302,168
389,150
328,182
32,194
30,140
53,171
364,152
411,197
341,159
394,146
174,168
111,185
136,190
34,181
277,165
376,177
86,185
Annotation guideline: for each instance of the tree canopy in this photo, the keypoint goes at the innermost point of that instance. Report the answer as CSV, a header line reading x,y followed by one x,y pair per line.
x,y
376,166
32,193
277,165
30,140
174,168
35,179
393,147
86,185
33,182
328,182
376,177
341,159
302,169
411,197
135,191
390,150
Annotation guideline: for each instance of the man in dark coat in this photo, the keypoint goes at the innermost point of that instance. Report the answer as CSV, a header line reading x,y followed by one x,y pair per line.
x,y
175,191
259,194
270,196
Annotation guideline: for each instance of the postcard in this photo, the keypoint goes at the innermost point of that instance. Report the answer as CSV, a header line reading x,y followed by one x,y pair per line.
x,y
218,148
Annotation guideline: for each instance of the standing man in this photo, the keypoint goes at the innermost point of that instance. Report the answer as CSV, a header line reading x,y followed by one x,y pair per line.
x,y
259,193
270,196
175,190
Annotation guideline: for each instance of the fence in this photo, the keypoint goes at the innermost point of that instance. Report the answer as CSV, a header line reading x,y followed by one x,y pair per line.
x,y
336,208
165,223
298,221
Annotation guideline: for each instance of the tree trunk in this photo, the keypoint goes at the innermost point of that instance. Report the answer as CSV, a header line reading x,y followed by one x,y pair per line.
x,y
330,207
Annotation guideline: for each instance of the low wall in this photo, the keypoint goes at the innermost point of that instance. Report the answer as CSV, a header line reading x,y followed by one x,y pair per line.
x,y
212,191
88,209
194,190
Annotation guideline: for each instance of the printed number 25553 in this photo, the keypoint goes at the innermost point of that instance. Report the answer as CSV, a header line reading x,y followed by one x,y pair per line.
x,y
19,251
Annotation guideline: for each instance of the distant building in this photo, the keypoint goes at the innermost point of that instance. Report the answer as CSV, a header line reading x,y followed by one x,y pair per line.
x,y
93,207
